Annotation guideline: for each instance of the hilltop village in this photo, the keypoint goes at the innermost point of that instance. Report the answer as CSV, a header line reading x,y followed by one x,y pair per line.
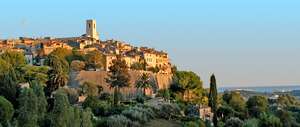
x,y
37,49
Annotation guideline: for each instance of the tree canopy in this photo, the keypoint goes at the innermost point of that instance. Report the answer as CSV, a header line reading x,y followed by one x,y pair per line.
x,y
118,77
257,105
8,82
6,111
188,84
16,59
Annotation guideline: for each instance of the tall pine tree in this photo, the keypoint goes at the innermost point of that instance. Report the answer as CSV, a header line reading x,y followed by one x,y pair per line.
x,y
213,96
118,77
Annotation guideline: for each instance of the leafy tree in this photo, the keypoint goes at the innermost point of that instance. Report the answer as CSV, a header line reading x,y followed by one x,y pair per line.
x,y
90,89
226,96
99,108
118,77
61,53
16,59
35,73
213,96
257,105
187,83
144,83
28,108
95,59
237,102
77,65
225,112
76,55
286,118
288,100
8,81
57,63
6,111
267,120
234,122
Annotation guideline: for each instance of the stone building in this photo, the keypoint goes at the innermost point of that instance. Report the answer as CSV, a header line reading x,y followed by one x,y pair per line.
x,y
91,29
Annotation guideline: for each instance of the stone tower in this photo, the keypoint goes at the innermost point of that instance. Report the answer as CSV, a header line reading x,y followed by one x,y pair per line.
x,y
91,29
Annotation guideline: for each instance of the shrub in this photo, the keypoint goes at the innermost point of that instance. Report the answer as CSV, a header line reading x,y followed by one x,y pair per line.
x,y
135,115
116,110
164,93
140,98
169,111
194,123
99,108
190,124
251,123
105,97
148,111
139,114
233,122
120,121
192,111
72,94
100,121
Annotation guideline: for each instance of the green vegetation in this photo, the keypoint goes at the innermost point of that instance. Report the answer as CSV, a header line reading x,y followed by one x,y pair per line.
x,y
187,86
118,78
6,111
257,105
213,96
144,83
38,96
94,59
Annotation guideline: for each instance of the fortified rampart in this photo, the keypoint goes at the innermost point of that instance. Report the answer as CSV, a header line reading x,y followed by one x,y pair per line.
x,y
162,81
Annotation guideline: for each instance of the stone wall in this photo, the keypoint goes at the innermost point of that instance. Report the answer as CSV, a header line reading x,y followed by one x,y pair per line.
x,y
162,81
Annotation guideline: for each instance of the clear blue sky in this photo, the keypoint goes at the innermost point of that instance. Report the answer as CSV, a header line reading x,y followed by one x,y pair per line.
x,y
244,42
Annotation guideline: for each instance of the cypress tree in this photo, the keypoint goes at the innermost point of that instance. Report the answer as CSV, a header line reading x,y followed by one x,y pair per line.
x,y
28,108
213,96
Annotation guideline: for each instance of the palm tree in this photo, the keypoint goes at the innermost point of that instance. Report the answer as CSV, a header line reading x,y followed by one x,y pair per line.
x,y
56,79
144,83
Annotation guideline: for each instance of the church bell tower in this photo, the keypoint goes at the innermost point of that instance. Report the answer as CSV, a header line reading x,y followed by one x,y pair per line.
x,y
91,29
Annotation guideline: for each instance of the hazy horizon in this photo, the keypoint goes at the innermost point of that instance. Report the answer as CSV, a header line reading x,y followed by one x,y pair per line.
x,y
244,43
